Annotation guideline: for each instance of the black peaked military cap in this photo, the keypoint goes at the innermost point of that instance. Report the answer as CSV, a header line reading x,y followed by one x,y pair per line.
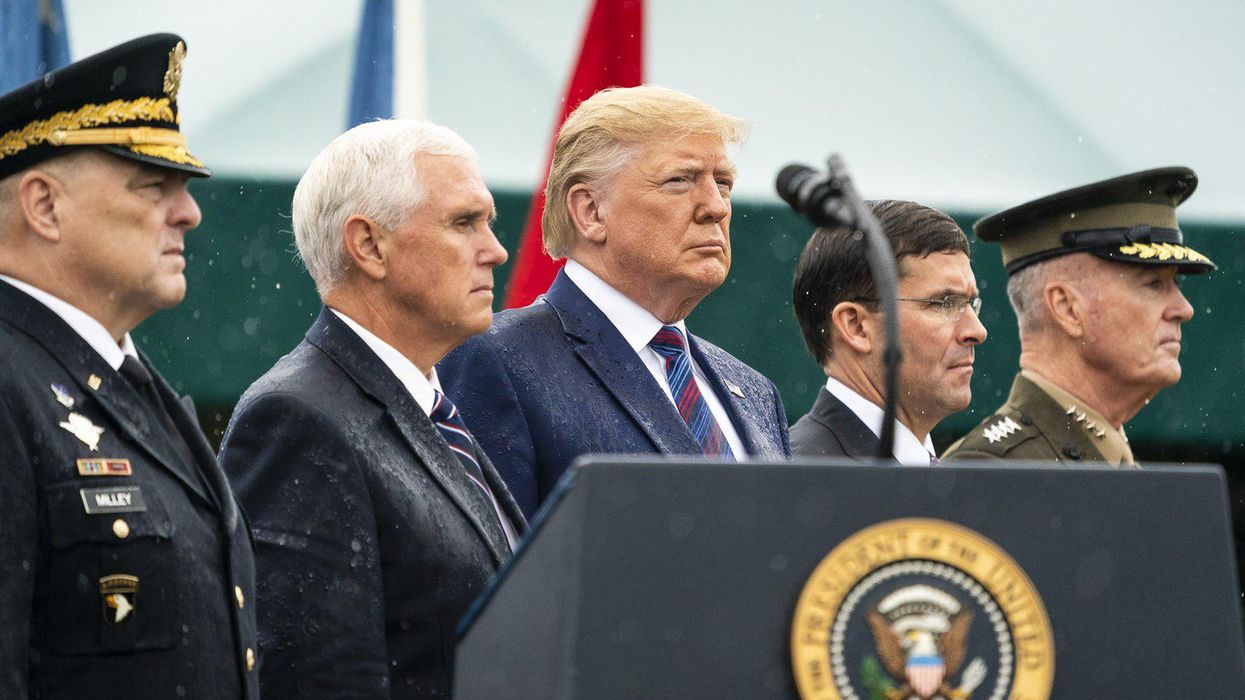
x,y
122,100
1131,218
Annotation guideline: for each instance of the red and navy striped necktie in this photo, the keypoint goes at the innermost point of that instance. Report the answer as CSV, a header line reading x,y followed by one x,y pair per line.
x,y
450,423
687,397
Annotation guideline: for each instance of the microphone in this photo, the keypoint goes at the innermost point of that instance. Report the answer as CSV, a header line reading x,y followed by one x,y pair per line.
x,y
828,200
818,196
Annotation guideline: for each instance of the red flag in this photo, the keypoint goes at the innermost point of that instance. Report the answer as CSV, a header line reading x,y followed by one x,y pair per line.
x,y
612,55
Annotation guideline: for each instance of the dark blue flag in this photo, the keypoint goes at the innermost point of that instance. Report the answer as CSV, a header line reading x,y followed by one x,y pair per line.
x,y
33,40
371,93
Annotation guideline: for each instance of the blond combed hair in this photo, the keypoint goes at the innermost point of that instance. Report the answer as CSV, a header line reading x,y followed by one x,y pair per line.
x,y
606,131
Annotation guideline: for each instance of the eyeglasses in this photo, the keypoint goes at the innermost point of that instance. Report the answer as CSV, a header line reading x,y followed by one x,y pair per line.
x,y
952,306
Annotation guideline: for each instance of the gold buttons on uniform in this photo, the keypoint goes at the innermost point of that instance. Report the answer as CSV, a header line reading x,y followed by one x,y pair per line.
x,y
121,528
250,659
237,594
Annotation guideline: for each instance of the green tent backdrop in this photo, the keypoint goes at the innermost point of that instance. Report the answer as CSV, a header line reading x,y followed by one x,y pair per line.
x,y
250,301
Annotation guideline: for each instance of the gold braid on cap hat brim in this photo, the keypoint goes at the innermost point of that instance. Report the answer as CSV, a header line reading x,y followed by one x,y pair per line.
x,y
1163,251
56,130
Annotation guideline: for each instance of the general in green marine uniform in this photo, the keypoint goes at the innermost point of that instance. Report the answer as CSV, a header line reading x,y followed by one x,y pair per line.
x,y
1092,277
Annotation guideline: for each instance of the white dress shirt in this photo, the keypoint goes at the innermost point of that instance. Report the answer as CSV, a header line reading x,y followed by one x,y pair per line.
x,y
909,451
420,386
90,330
638,327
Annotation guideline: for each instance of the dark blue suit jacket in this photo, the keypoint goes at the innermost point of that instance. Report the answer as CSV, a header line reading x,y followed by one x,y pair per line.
x,y
371,542
556,380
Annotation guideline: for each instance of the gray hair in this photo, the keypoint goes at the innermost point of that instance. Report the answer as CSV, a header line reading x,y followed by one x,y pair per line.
x,y
61,166
1026,288
8,202
368,171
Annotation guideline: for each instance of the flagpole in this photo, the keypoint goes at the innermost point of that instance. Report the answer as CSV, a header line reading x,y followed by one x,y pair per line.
x,y
410,60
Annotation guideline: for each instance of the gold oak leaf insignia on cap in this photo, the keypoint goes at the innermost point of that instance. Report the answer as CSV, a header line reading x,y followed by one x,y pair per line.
x,y
173,76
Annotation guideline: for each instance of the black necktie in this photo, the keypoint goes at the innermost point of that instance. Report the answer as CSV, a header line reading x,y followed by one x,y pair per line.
x,y
139,378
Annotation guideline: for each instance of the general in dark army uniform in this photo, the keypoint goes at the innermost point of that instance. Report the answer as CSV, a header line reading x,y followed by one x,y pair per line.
x,y
1092,278
127,567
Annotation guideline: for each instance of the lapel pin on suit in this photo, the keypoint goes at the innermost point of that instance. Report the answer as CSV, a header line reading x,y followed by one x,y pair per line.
x,y
734,389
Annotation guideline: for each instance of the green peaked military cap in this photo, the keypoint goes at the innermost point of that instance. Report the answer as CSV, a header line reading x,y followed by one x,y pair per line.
x,y
1131,218
122,100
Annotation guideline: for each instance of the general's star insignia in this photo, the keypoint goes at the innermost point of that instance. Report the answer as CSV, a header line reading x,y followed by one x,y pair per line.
x,y
83,429
1002,429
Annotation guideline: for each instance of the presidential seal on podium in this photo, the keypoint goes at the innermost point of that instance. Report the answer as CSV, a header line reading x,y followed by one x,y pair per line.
x,y
920,609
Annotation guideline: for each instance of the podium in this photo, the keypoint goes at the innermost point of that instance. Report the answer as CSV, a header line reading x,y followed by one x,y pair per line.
x,y
653,578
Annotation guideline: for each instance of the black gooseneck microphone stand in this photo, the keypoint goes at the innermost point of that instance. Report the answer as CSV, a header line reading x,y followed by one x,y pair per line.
x,y
829,199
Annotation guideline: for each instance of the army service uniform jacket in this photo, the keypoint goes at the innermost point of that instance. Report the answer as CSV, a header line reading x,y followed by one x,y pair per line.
x,y
1031,425
127,569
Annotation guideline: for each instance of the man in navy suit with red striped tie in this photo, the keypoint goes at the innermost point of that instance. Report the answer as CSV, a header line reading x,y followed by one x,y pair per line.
x,y
638,202
377,518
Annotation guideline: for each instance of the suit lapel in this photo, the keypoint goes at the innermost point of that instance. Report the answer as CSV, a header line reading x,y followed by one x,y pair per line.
x,y
181,410
116,398
502,493
736,402
353,355
856,437
608,356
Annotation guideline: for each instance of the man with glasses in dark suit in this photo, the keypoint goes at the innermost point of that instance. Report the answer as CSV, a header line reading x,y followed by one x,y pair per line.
x,y
837,305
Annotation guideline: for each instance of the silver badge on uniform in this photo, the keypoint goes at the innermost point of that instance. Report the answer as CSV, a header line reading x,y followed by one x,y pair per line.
x,y
120,594
120,499
83,429
62,396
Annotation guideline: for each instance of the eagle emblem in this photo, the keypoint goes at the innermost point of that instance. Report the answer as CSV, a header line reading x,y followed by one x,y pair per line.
x,y
120,594
938,612
921,637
